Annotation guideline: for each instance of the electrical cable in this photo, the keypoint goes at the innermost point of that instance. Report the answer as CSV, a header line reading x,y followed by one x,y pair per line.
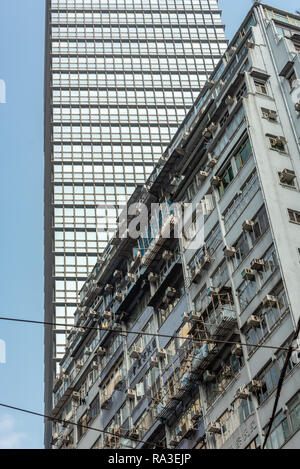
x,y
68,422
280,384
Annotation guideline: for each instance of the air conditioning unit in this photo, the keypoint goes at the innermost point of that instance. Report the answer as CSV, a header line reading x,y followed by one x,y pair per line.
x,y
134,433
107,315
171,292
94,365
208,376
94,313
196,275
250,44
79,365
257,264
153,362
97,288
167,255
213,291
280,140
207,133
211,162
136,352
237,350
117,274
118,296
205,261
195,315
108,288
55,438
186,317
130,278
253,321
165,302
80,330
255,385
214,427
213,127
272,115
131,394
152,277
161,353
242,393
76,396
210,83
229,251
215,181
195,416
248,274
101,352
248,225
229,101
287,176
297,106
105,325
116,430
270,300
227,372
202,175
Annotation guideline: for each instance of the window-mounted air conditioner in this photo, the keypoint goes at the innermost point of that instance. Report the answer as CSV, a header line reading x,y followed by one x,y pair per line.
x,y
248,274
248,225
229,251
257,264
213,427
253,321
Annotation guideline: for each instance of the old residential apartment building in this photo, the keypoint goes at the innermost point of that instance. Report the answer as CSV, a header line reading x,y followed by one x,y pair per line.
x,y
169,344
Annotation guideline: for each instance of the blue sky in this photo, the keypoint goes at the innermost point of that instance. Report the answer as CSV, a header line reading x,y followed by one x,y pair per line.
x,y
21,192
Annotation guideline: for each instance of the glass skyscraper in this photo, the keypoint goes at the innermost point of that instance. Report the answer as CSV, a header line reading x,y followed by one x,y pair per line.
x,y
120,76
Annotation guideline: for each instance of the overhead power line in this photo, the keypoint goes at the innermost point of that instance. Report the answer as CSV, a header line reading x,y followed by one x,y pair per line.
x,y
153,334
280,383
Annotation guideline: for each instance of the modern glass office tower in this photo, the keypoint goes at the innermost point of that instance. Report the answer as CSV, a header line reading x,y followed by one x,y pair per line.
x,y
120,76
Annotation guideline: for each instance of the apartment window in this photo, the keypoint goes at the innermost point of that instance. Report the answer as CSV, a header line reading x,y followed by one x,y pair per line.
x,y
243,154
270,376
294,216
297,46
224,118
226,179
94,410
82,429
243,248
261,87
261,224
242,92
270,315
280,432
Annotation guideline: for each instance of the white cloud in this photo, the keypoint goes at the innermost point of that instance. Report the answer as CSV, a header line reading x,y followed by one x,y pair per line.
x,y
10,438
